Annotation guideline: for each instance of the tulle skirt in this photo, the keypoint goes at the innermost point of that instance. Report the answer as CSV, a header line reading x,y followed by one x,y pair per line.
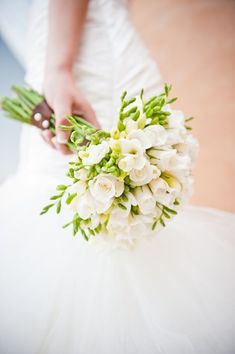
x,y
173,293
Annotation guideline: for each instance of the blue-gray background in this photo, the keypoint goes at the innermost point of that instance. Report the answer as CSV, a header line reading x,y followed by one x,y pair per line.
x,y
13,38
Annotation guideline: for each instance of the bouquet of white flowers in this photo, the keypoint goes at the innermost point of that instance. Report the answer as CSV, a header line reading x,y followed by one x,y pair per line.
x,y
130,181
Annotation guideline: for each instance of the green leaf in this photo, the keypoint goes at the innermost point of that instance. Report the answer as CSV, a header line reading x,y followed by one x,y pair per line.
x,y
171,100
189,119
68,224
70,198
188,127
176,202
124,198
54,197
166,214
123,95
58,207
167,89
121,206
84,235
162,222
154,225
46,208
142,94
171,211
61,187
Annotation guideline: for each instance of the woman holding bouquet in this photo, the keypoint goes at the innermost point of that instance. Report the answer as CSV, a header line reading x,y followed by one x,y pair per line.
x,y
173,294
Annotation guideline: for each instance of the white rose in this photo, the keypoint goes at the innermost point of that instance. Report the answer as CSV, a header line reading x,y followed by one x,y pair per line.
x,y
140,229
94,153
118,221
104,187
145,200
85,206
142,176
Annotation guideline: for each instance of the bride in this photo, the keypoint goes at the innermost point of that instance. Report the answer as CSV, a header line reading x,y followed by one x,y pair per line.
x,y
59,295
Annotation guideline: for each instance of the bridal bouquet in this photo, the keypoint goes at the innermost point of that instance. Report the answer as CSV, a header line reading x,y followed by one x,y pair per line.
x,y
128,182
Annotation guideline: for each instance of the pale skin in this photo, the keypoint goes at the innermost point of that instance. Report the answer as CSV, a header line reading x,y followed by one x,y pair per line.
x,y
66,20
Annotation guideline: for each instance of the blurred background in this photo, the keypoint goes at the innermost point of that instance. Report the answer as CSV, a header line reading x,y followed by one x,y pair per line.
x,y
193,42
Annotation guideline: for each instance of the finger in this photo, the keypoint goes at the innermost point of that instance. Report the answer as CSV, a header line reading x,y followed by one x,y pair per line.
x,y
61,110
85,109
47,136
61,147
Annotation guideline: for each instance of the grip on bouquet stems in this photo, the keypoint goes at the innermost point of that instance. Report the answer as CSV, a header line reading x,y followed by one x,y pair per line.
x,y
41,115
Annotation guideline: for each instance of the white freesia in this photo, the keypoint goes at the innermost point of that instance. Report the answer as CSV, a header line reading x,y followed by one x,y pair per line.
x,y
132,155
95,220
176,119
78,187
131,198
173,182
180,162
131,125
142,176
141,136
102,207
176,135
119,187
94,153
153,135
81,174
162,157
145,200
189,147
157,134
162,192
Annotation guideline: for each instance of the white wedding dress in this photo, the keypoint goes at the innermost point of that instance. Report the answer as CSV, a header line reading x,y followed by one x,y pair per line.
x,y
174,294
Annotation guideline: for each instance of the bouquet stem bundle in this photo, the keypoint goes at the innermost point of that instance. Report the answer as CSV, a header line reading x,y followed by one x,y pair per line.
x,y
28,105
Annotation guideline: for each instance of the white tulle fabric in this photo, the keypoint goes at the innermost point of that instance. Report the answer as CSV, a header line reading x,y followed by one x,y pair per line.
x,y
173,294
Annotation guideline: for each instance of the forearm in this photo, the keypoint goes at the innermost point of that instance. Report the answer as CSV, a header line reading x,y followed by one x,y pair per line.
x,y
66,19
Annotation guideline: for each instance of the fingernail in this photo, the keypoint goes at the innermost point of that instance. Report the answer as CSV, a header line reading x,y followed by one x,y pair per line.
x,y
61,139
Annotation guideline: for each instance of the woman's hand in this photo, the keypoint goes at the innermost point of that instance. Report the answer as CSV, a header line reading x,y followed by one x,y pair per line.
x,y
59,87
64,98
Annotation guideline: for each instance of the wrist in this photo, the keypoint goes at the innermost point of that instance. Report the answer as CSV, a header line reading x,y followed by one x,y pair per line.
x,y
57,73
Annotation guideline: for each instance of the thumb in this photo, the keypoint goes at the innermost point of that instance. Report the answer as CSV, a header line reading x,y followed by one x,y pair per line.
x,y
62,109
